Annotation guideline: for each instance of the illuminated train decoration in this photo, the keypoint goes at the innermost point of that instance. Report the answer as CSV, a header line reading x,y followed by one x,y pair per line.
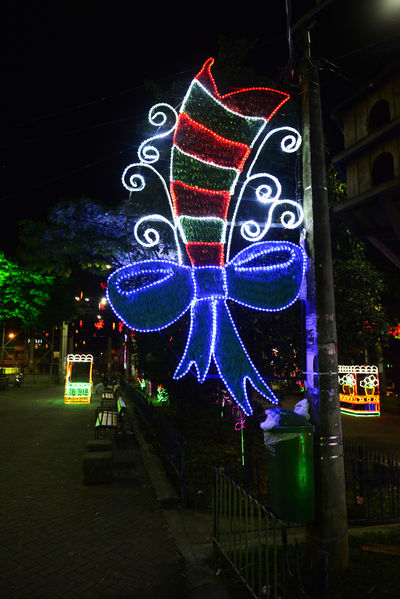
x,y
214,137
78,379
359,390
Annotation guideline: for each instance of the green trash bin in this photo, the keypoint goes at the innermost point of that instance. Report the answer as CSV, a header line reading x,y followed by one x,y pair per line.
x,y
290,465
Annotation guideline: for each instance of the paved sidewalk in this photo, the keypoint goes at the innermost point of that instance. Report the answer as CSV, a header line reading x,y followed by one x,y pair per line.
x,y
61,538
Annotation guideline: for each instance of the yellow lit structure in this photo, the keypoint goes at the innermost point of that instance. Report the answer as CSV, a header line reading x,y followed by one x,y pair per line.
x,y
78,379
10,369
359,390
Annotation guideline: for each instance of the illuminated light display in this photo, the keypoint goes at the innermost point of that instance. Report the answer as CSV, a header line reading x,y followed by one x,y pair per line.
x,y
395,331
224,399
162,395
359,394
240,419
238,416
78,380
214,137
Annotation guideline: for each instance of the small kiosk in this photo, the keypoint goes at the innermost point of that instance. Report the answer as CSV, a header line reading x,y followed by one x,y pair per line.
x,y
78,379
359,390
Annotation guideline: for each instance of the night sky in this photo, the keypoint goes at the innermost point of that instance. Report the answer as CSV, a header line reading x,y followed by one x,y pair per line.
x,y
73,82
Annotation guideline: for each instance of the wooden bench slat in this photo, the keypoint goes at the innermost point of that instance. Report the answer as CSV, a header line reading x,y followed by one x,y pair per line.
x,y
107,419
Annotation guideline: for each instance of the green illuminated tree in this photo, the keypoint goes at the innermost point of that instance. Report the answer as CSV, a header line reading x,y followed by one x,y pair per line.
x,y
23,293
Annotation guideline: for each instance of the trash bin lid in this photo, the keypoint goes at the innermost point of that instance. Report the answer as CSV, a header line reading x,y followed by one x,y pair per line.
x,y
288,421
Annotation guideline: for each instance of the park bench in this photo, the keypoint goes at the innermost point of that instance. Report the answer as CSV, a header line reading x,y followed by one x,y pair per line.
x,y
108,402
111,419
107,395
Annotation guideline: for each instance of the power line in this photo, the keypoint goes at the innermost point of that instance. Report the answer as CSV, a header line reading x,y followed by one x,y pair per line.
x,y
64,176
63,133
368,47
98,100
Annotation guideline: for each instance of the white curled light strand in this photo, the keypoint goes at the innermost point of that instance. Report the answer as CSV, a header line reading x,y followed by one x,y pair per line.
x,y
157,117
134,182
269,195
290,143
151,237
251,231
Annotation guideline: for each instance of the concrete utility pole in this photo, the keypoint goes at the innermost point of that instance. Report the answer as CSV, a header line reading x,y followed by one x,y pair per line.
x,y
63,350
328,531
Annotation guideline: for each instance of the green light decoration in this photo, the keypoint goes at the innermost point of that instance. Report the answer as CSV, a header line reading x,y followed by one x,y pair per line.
x,y
78,389
162,395
303,463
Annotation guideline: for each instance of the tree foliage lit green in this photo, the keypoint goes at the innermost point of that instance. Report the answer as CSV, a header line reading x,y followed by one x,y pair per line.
x,y
23,293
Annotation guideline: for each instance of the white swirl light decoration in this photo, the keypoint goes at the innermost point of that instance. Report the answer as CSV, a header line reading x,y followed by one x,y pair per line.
x,y
290,143
134,181
251,230
148,153
266,194
151,237
288,218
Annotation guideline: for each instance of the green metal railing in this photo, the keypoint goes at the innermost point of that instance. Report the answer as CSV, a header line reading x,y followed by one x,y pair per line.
x,y
249,537
255,544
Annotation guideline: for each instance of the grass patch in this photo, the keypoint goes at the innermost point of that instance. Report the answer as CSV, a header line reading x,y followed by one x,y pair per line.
x,y
370,574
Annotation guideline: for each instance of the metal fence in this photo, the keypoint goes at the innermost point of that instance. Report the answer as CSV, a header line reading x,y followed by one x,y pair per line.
x,y
254,542
372,483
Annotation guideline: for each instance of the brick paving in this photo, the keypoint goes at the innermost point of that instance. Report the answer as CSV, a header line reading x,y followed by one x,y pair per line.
x,y
61,538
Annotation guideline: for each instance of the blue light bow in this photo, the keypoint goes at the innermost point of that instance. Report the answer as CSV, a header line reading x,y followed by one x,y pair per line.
x,y
152,294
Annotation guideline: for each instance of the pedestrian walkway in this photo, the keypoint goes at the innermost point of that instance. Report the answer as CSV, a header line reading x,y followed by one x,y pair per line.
x,y
61,538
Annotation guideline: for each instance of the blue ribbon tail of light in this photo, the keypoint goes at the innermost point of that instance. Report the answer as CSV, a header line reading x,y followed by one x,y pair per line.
x,y
233,362
200,340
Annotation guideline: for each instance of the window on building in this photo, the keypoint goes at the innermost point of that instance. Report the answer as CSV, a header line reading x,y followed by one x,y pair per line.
x,y
379,115
383,168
